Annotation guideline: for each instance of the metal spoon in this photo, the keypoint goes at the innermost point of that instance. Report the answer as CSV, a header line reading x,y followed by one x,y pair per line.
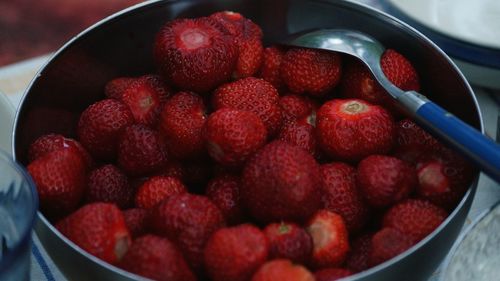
x,y
484,152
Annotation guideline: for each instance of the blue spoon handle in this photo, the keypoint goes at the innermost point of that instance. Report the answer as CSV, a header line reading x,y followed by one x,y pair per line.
x,y
484,152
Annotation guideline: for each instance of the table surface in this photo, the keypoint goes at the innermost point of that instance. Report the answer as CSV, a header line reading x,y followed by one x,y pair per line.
x,y
15,78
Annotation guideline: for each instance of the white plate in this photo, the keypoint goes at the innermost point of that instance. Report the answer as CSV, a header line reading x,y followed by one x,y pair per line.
x,y
7,113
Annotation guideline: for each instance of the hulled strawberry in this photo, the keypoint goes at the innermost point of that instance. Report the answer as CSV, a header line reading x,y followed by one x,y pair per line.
x,y
99,229
156,258
288,241
136,221
352,129
415,218
332,274
156,189
358,258
301,135
60,180
232,135
385,180
282,269
298,108
330,239
251,94
281,182
412,141
224,191
195,54
114,88
388,243
109,184
315,72
235,253
188,221
100,126
181,124
341,195
141,151
270,68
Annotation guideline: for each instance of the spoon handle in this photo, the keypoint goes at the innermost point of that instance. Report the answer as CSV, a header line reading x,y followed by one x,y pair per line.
x,y
484,152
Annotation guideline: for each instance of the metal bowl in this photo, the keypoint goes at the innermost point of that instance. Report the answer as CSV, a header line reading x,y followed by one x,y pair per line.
x,y
122,45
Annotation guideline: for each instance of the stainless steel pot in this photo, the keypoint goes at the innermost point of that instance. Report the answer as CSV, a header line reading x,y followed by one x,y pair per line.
x,y
122,45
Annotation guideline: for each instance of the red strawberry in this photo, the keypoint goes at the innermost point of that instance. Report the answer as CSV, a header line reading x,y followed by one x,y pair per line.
x,y
99,229
156,258
156,189
195,54
332,274
251,94
174,169
315,72
443,177
181,124
60,180
341,195
385,180
301,135
188,221
270,68
145,97
141,151
298,108
281,182
353,129
358,81
109,184
51,142
330,239
412,141
288,241
234,135
359,255
235,253
248,37
114,89
224,191
136,221
388,243
100,126
415,218
282,269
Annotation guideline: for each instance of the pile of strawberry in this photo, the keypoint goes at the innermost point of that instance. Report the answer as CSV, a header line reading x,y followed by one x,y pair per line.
x,y
238,162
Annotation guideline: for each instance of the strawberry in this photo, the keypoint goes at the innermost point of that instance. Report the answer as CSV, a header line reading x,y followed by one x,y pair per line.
x,y
232,136
99,229
332,274
60,180
51,142
359,83
385,180
188,221
443,177
415,218
181,124
288,241
251,94
235,253
100,126
298,108
156,189
412,141
270,68
109,184
248,37
136,221
174,169
359,256
330,239
195,54
224,191
141,151
114,88
341,195
144,97
388,243
282,269
352,129
281,182
156,258
301,135
315,72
